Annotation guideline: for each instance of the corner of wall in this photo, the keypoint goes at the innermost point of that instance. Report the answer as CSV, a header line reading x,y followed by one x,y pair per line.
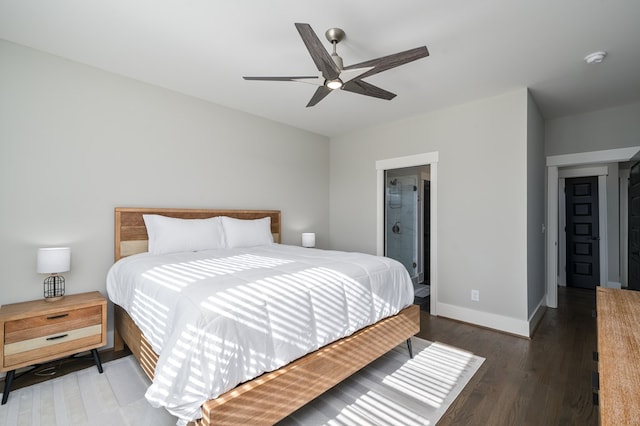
x,y
536,317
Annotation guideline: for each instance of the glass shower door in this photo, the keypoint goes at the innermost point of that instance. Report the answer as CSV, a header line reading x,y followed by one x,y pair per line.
x,y
401,221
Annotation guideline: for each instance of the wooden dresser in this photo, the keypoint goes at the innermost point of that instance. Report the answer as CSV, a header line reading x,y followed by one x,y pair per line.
x,y
39,331
619,356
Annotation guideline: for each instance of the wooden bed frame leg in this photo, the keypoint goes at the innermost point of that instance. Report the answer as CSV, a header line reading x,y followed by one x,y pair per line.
x,y
410,347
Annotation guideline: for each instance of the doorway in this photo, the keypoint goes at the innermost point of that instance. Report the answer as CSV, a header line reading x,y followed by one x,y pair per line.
x,y
405,218
575,174
419,160
554,164
634,228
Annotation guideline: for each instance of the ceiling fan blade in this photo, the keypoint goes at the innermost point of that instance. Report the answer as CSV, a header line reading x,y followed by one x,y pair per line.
x,y
280,78
320,94
319,54
391,61
363,88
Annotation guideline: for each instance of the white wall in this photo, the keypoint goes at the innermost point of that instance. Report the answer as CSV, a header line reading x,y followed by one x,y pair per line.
x,y
75,142
536,289
609,128
482,201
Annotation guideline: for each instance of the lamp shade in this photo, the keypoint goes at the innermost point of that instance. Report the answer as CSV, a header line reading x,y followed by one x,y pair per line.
x,y
308,239
54,260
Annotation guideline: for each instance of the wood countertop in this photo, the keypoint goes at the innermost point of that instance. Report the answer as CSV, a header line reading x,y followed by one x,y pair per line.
x,y
619,356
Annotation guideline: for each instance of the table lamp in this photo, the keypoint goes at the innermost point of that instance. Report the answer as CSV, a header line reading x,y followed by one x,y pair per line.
x,y
308,239
54,261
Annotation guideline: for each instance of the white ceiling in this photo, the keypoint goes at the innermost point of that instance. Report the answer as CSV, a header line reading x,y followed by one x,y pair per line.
x,y
477,49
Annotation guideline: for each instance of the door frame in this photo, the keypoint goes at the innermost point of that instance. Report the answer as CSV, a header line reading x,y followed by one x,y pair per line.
x,y
601,172
553,164
426,159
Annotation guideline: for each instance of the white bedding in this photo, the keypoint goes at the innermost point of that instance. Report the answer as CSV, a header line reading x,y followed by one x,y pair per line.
x,y
220,317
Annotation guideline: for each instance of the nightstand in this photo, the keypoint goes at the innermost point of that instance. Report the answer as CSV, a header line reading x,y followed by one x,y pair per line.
x,y
39,331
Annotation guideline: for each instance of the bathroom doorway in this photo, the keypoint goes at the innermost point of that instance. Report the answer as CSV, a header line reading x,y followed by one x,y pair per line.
x,y
407,225
430,160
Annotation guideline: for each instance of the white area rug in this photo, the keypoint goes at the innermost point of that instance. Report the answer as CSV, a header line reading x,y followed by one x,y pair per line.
x,y
392,390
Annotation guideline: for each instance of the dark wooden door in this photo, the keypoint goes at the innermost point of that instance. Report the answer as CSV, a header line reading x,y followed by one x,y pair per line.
x,y
634,227
582,231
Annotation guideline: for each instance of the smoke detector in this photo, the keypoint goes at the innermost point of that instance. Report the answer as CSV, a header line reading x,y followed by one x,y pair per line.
x,y
595,57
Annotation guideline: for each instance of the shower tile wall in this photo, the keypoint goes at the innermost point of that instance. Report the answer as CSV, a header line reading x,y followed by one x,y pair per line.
x,y
401,221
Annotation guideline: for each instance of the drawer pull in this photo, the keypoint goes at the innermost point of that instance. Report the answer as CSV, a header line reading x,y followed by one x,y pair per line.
x,y
58,316
57,337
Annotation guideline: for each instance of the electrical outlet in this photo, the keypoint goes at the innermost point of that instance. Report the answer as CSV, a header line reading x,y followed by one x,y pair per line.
x,y
475,295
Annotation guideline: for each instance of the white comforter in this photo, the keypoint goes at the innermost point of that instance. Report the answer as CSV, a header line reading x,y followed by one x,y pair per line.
x,y
220,317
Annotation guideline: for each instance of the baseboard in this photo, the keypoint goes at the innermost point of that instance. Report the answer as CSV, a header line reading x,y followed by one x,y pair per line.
x,y
536,317
485,319
613,284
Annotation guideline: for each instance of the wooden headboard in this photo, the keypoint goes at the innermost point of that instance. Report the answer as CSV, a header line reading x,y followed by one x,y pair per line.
x,y
131,234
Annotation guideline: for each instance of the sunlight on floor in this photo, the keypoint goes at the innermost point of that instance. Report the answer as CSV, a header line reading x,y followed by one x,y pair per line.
x,y
431,374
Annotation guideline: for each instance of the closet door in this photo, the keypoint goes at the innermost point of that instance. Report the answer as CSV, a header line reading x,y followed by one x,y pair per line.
x,y
583,237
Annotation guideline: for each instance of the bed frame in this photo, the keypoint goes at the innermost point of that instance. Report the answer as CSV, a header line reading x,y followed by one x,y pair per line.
x,y
274,395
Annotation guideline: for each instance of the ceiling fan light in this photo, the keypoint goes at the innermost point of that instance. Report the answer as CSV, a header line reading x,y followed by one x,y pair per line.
x,y
334,84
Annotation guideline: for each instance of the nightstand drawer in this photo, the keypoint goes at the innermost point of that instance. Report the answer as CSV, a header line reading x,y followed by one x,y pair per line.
x,y
49,325
38,348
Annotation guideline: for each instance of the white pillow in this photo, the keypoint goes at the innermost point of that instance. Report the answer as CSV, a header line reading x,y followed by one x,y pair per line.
x,y
247,233
172,235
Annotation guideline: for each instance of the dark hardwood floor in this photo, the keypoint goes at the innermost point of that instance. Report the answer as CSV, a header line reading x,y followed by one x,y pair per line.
x,y
542,381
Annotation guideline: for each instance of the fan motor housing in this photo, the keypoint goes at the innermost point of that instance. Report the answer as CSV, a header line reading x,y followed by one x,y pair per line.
x,y
334,35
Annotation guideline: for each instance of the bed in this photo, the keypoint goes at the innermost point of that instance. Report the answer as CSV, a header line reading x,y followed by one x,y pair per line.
x,y
272,395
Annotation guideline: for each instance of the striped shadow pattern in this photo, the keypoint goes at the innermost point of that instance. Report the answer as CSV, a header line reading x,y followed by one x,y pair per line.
x,y
392,390
395,390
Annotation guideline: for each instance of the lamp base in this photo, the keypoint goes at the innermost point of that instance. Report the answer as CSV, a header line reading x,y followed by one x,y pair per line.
x,y
53,288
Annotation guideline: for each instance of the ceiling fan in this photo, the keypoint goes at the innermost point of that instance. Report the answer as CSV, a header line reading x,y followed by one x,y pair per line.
x,y
334,76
